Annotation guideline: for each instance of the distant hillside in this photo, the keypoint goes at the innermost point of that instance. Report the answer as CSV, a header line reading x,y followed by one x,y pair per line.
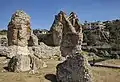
x,y
109,35
3,32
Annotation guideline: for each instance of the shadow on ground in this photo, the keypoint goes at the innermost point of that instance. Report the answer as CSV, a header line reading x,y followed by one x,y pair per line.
x,y
51,77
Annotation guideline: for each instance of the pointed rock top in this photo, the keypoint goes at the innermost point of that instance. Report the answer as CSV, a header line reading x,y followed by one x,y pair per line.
x,y
21,14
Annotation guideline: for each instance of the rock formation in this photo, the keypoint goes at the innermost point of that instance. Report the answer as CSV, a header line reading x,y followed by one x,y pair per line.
x,y
72,36
75,68
44,51
56,30
19,34
19,29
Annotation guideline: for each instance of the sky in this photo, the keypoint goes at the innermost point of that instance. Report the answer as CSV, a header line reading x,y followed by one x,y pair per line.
x,y
42,12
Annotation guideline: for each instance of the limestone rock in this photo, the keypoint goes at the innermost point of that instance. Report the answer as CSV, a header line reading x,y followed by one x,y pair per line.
x,y
15,50
19,63
56,30
44,51
74,69
19,29
4,51
36,63
3,41
18,35
71,35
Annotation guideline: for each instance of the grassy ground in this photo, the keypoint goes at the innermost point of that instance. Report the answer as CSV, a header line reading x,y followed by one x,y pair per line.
x,y
48,74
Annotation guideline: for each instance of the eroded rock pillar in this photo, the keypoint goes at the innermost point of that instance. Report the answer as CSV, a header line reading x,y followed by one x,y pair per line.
x,y
75,68
18,36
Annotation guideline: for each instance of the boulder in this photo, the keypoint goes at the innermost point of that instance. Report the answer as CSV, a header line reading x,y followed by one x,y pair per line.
x,y
19,63
74,69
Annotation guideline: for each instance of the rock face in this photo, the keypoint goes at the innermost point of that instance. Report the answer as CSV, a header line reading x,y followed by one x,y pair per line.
x,y
74,69
19,29
56,30
72,36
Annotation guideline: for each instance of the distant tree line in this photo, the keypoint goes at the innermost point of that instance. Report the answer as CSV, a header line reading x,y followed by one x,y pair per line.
x,y
3,32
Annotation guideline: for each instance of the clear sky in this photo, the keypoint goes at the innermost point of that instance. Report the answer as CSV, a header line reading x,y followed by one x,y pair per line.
x,y
42,11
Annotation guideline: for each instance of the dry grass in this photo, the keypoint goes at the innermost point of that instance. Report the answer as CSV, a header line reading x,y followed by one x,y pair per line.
x,y
100,74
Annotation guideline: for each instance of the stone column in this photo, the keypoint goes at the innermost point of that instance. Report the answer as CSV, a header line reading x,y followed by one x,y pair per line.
x,y
75,68
18,35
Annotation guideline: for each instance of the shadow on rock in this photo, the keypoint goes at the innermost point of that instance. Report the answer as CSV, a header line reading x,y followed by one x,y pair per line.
x,y
51,77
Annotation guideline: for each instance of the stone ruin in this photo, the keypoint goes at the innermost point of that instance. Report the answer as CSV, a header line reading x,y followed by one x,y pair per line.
x,y
19,37
75,68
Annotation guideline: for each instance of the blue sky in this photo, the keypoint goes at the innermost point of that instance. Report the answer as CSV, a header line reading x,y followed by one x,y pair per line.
x,y
42,11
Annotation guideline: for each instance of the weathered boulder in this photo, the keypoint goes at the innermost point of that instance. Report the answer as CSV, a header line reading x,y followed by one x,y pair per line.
x,y
3,41
19,63
74,69
36,63
19,29
4,51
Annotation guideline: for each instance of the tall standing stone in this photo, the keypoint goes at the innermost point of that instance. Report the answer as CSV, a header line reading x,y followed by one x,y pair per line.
x,y
72,36
75,68
18,36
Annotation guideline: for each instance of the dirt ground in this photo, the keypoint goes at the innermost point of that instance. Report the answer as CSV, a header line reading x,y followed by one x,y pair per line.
x,y
100,74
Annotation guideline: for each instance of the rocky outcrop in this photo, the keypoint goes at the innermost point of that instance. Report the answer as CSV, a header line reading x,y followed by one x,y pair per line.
x,y
75,68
